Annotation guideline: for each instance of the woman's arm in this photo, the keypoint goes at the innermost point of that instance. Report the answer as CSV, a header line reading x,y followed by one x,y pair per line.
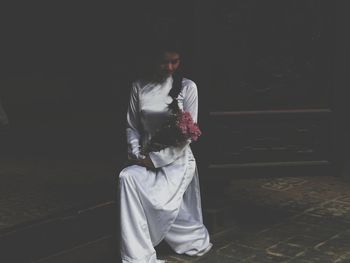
x,y
170,154
133,124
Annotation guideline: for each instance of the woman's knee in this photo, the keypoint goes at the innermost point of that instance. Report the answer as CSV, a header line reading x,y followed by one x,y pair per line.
x,y
127,173
124,174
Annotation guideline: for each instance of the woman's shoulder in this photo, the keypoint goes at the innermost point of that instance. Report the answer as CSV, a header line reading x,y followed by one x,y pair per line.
x,y
188,83
189,86
139,84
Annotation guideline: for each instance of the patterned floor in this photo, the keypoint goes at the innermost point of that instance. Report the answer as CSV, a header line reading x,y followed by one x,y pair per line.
x,y
288,219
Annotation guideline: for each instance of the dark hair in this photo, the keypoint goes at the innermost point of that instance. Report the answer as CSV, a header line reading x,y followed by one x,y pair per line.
x,y
174,92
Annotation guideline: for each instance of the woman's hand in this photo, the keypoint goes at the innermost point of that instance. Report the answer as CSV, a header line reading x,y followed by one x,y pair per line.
x,y
146,162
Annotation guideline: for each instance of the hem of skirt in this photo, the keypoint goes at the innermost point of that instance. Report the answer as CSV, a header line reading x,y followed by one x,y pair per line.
x,y
205,251
127,259
199,253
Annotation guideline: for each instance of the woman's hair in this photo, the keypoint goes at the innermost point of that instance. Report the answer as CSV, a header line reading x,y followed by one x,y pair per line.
x,y
175,90
154,56
177,75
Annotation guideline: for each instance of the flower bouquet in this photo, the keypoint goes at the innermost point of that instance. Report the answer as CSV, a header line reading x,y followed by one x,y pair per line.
x,y
179,128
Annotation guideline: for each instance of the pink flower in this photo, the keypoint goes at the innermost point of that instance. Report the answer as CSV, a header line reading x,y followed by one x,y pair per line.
x,y
188,129
179,128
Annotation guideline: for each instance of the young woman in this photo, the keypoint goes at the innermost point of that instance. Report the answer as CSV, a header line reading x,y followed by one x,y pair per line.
x,y
159,193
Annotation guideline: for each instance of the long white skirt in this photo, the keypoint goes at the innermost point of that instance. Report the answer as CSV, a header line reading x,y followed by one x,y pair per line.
x,y
161,204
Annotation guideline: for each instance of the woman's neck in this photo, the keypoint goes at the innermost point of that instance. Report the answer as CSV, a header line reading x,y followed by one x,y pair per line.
x,y
161,79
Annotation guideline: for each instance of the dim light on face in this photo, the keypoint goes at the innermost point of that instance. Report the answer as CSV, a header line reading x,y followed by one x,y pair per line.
x,y
169,63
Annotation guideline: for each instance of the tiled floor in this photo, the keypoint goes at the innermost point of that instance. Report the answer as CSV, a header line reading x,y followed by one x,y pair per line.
x,y
35,188
296,218
291,219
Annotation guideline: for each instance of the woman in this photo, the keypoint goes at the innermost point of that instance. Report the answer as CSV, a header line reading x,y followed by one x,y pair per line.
x,y
159,192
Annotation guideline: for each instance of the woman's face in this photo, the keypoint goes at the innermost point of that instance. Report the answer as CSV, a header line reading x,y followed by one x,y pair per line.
x,y
169,63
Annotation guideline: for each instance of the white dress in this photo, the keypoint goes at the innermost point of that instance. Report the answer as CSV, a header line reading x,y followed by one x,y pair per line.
x,y
163,203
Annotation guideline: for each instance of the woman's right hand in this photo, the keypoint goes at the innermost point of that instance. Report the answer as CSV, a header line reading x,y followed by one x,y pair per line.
x,y
135,153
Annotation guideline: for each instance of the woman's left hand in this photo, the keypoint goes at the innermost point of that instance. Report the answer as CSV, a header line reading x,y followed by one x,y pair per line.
x,y
146,162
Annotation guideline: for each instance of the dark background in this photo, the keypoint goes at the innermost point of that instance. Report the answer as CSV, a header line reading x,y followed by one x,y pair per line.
x,y
67,67
272,78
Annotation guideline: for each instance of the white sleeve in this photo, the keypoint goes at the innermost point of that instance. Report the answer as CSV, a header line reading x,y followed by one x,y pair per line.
x,y
170,154
191,101
133,123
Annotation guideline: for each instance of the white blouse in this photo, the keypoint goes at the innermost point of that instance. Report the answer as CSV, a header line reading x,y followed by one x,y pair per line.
x,y
148,110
